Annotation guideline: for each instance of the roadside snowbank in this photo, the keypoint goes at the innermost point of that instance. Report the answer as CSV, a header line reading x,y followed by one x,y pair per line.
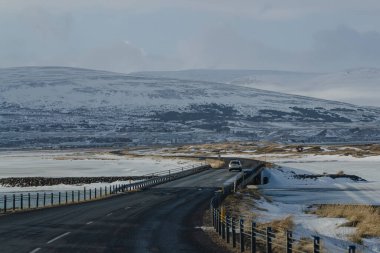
x,y
292,196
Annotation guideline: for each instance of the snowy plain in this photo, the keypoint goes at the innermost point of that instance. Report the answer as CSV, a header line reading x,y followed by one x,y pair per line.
x,y
79,164
292,196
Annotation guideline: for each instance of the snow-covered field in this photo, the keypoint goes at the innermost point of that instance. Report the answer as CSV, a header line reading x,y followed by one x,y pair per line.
x,y
293,196
78,164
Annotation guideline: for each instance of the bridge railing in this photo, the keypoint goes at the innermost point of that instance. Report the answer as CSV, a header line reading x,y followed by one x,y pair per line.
x,y
11,202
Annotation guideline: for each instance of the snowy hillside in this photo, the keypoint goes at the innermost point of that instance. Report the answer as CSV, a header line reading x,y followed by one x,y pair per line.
x,y
358,86
54,106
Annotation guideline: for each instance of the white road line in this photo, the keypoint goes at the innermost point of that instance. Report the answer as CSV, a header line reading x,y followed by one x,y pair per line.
x,y
109,214
127,207
35,250
58,237
90,222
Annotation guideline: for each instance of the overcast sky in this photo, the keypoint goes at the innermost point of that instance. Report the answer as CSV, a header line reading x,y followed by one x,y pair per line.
x,y
134,35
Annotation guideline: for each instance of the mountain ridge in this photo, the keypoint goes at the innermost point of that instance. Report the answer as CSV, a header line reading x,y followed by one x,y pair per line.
x,y
355,86
58,107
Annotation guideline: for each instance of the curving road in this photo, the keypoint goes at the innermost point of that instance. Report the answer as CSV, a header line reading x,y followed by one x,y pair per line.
x,y
160,219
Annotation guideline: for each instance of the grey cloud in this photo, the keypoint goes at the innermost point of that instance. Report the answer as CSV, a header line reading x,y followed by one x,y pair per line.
x,y
223,47
336,49
347,47
123,57
260,9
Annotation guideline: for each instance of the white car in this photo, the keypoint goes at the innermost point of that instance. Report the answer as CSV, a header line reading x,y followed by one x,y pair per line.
x,y
235,165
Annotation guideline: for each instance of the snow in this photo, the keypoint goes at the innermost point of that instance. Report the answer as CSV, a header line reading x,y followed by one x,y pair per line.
x,y
79,164
306,225
334,236
292,196
66,107
342,85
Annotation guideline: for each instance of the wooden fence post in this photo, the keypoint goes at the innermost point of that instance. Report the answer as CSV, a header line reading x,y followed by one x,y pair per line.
x,y
269,239
242,235
316,244
289,241
253,237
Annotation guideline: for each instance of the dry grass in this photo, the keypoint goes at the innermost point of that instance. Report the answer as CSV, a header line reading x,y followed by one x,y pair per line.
x,y
366,219
259,148
304,245
215,163
241,203
280,225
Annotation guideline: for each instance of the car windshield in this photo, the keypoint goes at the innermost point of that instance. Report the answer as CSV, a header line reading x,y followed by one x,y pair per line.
x,y
235,162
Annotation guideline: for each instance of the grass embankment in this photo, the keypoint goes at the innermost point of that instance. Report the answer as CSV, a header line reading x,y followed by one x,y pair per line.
x,y
242,204
366,219
265,148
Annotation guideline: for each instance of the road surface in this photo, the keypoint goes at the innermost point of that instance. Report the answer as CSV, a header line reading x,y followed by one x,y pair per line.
x,y
159,219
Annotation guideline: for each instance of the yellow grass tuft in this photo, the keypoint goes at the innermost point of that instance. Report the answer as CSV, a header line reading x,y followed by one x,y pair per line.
x,y
216,164
365,218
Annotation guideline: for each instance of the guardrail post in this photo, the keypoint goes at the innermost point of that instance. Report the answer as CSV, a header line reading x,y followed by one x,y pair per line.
x,y
316,244
5,203
90,194
241,235
44,199
217,221
78,195
213,217
269,239
14,202
233,233
95,193
84,193
352,249
100,191
59,198
253,237
67,198
223,227
72,197
220,222
289,241
227,229
51,199
37,199
29,200
21,201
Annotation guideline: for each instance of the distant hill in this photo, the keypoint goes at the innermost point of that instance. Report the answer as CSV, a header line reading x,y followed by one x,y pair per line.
x,y
358,86
69,107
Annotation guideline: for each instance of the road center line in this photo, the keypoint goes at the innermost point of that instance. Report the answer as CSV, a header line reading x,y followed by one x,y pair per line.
x,y
35,250
58,237
127,207
109,214
90,222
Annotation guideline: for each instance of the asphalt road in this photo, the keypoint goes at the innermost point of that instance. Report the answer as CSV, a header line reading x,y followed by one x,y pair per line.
x,y
160,219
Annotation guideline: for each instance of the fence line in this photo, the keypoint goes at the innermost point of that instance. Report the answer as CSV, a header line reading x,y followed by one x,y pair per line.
x,y
40,199
239,234
242,236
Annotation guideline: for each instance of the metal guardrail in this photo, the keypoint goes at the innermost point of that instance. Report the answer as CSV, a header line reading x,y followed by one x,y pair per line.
x,y
240,182
40,199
